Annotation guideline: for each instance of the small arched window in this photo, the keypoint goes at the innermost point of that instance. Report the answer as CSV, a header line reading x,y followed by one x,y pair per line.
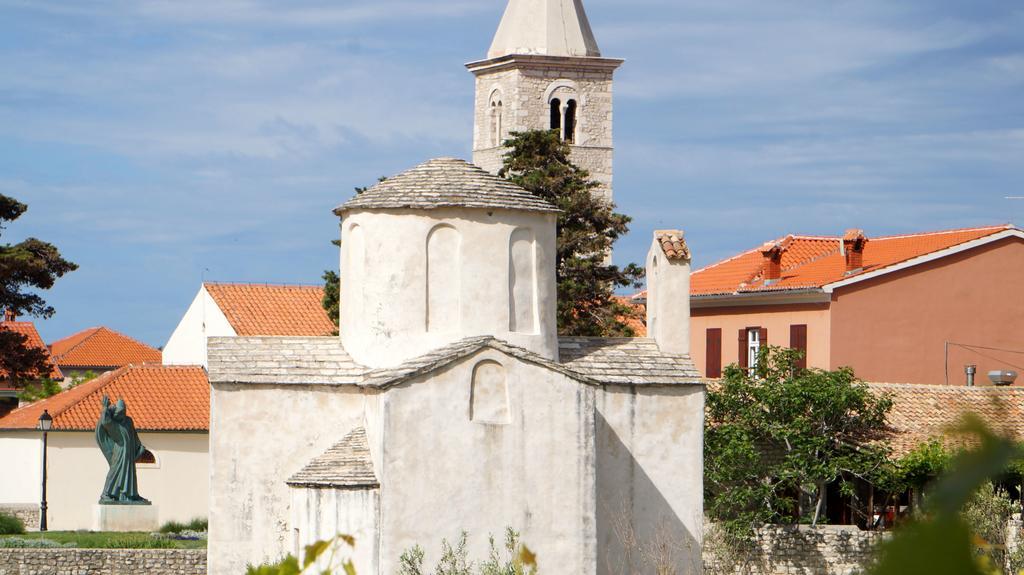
x,y
556,114
497,112
147,458
569,135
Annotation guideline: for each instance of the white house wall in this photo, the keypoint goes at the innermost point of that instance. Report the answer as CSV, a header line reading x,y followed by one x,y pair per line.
x,y
261,436
650,482
21,483
177,484
445,472
204,319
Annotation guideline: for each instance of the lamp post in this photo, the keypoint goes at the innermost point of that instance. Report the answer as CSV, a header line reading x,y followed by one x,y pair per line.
x,y
45,423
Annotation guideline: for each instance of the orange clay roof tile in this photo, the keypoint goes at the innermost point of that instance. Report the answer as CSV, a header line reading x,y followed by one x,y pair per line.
x,y
28,329
159,398
273,310
815,261
101,347
924,412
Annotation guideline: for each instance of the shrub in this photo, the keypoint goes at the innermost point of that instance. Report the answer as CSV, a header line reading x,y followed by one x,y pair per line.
x,y
19,543
10,525
197,524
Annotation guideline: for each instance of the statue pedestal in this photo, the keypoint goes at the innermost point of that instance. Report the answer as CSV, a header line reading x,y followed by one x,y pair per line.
x,y
125,518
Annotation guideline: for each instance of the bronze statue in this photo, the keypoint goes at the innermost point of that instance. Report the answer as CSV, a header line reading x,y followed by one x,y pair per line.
x,y
117,438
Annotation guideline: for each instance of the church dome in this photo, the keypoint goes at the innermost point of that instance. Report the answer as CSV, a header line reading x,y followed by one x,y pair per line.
x,y
446,183
443,252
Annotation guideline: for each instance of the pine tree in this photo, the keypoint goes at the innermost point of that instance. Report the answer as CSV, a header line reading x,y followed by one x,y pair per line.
x,y
30,264
588,226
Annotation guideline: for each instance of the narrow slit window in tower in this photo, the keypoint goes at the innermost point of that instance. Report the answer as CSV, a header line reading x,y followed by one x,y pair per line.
x,y
570,121
556,114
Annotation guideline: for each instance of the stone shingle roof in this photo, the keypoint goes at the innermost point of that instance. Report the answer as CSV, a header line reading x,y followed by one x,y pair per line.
x,y
445,183
923,412
272,310
282,360
159,398
626,361
347,464
441,357
323,361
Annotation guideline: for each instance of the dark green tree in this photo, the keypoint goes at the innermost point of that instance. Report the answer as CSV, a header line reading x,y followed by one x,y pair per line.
x,y
777,432
24,268
588,226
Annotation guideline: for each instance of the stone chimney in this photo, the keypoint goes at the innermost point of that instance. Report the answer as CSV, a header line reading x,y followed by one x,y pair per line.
x,y
771,266
9,315
668,292
853,250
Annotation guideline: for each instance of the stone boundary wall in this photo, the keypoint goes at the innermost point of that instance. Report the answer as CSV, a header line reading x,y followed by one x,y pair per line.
x,y
791,550
102,561
28,513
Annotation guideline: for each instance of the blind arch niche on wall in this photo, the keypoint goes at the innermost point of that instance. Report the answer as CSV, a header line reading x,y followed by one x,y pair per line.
x,y
522,282
444,282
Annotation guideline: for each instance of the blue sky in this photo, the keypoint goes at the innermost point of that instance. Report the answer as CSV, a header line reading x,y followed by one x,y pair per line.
x,y
158,141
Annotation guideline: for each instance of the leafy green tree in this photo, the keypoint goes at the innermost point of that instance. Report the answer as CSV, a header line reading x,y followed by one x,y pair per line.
x,y
24,267
942,542
588,226
776,433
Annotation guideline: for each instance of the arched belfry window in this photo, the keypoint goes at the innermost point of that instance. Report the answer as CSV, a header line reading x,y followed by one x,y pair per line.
x,y
556,114
569,134
497,127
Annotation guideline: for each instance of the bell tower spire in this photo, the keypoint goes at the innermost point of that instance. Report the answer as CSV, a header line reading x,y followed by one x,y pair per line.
x,y
544,71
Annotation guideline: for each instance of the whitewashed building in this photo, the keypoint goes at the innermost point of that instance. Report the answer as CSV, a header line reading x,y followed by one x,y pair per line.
x,y
449,402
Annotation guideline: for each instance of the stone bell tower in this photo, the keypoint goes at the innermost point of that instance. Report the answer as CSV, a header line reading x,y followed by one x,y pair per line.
x,y
545,71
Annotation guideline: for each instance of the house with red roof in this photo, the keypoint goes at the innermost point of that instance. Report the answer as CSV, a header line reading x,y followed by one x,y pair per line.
x,y
245,309
913,308
170,407
99,350
27,329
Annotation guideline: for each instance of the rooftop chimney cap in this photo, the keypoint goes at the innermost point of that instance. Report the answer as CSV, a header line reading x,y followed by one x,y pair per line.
x,y
9,315
1002,377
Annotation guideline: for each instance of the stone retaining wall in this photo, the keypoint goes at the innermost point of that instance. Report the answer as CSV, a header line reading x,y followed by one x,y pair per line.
x,y
791,550
102,561
28,513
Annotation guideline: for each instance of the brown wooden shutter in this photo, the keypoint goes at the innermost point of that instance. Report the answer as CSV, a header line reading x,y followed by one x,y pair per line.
x,y
798,340
764,336
742,361
713,361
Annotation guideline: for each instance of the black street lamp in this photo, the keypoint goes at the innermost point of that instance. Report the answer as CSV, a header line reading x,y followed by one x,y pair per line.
x,y
45,423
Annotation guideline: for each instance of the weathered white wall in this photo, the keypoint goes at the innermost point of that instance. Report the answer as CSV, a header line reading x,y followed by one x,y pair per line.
x,y
21,453
323,514
444,472
261,436
187,345
668,300
650,483
177,484
385,276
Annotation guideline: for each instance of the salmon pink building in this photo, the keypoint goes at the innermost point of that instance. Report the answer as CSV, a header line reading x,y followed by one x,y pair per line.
x,y
913,308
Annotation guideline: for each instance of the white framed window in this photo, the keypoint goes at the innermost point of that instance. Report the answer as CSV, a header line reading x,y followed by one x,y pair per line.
x,y
753,346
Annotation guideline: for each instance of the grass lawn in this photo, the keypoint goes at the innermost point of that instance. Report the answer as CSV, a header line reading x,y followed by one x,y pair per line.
x,y
110,540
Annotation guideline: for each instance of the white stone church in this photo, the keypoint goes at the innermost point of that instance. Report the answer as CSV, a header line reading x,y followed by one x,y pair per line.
x,y
449,402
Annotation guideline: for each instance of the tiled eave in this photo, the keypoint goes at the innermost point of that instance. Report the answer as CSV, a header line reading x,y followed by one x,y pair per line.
x,y
763,297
